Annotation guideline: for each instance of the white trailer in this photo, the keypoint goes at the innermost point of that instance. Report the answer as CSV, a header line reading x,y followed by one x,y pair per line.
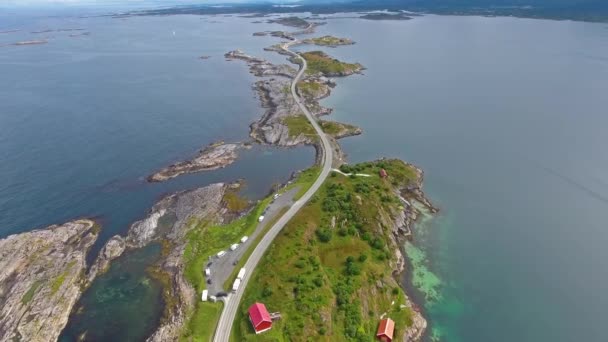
x,y
204,295
241,273
244,238
221,254
234,246
207,272
236,285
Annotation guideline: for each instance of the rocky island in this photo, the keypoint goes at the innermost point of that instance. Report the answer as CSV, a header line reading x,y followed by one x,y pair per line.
x,y
330,41
386,16
42,275
214,156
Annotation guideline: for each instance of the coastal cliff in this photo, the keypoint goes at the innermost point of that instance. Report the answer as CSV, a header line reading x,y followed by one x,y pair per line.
x,y
42,273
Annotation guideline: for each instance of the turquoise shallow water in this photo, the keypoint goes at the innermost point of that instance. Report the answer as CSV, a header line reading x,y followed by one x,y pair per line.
x,y
507,117
122,304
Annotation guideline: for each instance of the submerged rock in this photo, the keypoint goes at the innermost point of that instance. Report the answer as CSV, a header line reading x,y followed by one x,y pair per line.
x,y
41,278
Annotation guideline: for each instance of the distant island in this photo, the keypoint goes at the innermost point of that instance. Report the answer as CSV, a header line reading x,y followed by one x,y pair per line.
x,y
330,41
386,16
592,11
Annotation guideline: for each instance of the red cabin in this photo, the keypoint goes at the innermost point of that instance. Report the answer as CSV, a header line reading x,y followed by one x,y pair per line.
x,y
260,318
383,173
386,328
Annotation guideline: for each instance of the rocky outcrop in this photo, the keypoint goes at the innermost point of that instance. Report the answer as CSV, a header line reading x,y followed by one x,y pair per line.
x,y
329,41
402,221
261,67
41,278
110,251
214,156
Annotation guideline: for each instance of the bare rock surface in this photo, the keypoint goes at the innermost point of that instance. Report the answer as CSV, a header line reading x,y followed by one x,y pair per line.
x,y
41,277
214,156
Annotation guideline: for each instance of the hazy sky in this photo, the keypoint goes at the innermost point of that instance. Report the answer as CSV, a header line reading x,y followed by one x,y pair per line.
x,y
112,2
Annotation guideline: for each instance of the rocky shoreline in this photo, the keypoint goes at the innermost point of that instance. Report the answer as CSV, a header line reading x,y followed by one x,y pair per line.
x,y
42,275
215,156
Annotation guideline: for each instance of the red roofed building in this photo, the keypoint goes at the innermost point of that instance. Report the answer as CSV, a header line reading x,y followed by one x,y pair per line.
x,y
386,328
260,318
383,173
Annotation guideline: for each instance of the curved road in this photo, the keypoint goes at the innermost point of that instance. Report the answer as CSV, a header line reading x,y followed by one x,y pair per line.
x,y
231,306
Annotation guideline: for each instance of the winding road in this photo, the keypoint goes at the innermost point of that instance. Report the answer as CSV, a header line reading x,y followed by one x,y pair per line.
x,y
231,305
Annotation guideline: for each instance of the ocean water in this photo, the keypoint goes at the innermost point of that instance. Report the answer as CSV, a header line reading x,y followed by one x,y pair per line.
x,y
508,119
84,119
506,116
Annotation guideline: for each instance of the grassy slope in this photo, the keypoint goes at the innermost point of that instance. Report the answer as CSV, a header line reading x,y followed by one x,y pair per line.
x,y
318,61
307,276
299,124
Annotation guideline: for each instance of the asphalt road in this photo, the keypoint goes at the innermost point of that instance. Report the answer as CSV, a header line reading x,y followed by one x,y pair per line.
x,y
231,306
221,268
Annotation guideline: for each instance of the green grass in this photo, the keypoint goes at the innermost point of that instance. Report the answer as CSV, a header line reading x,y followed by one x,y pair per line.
x,y
309,89
298,125
204,240
318,61
234,202
243,259
27,297
323,280
304,180
201,326
57,282
329,41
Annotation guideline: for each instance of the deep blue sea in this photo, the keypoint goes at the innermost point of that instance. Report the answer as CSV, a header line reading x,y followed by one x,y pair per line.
x,y
506,116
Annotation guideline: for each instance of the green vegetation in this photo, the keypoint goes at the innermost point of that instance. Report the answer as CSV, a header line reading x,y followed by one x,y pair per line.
x,y
299,124
243,259
292,21
305,180
27,297
201,326
337,128
204,240
61,278
328,271
309,89
234,202
329,41
318,61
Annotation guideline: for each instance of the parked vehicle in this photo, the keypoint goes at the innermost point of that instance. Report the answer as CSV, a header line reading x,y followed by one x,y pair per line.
x,y
241,273
236,285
